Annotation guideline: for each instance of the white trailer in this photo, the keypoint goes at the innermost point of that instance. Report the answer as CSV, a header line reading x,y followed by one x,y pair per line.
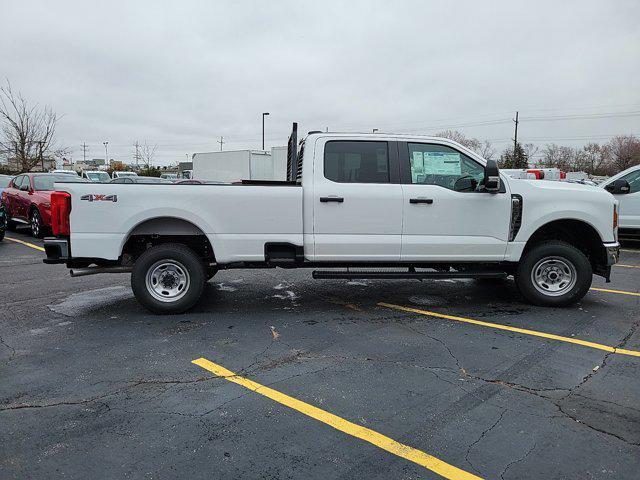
x,y
232,166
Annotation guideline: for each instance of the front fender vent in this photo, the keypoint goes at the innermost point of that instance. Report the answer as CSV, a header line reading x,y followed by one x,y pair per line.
x,y
516,216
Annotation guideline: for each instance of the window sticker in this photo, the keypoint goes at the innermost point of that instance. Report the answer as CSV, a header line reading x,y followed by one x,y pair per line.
x,y
442,163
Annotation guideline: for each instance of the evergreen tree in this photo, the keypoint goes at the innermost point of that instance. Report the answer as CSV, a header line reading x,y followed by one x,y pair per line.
x,y
519,160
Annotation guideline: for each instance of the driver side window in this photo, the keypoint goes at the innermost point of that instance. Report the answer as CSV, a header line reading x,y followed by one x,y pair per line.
x,y
441,165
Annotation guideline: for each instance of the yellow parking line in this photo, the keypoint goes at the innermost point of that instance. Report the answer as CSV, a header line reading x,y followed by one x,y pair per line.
x,y
621,292
629,250
627,266
35,247
524,331
416,456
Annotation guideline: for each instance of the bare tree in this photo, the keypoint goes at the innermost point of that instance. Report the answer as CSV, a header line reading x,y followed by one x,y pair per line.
x,y
624,151
27,131
147,153
482,148
558,156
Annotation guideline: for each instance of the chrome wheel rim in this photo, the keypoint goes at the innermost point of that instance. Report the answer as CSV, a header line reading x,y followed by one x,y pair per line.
x,y
35,224
554,276
167,280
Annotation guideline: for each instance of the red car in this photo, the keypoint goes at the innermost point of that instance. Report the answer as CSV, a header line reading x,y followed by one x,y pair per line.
x,y
27,200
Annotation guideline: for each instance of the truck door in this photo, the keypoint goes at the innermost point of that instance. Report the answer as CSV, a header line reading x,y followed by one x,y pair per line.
x,y
630,202
445,215
357,201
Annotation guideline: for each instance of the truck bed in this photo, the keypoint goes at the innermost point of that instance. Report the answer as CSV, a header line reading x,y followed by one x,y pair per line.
x,y
246,216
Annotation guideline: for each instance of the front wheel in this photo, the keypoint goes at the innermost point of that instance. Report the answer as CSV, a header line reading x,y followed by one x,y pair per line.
x,y
554,274
168,278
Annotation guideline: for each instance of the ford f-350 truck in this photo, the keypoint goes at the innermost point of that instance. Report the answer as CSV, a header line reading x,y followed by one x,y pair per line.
x,y
353,206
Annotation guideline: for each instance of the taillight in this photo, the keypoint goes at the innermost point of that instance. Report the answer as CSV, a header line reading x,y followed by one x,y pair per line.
x,y
615,217
60,211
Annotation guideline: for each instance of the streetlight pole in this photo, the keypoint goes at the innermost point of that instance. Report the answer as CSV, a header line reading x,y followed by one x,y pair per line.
x,y
263,115
106,153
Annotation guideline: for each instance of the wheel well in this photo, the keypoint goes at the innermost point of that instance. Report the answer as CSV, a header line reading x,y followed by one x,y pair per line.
x,y
157,231
575,232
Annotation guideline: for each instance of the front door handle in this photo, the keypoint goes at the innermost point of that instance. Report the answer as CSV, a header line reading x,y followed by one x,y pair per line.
x,y
331,199
428,201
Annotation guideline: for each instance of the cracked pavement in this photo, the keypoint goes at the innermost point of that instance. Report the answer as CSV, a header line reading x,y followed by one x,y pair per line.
x,y
93,386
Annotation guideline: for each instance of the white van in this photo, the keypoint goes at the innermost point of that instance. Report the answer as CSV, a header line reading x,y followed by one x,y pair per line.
x,y
626,188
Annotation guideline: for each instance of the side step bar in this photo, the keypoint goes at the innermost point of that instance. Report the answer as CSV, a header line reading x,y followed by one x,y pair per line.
x,y
332,274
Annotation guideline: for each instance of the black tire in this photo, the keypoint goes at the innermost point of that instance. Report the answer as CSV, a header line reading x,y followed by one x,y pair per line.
x,y
181,263
35,222
550,265
1,235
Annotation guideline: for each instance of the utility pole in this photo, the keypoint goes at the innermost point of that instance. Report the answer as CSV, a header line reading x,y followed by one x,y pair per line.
x,y
106,152
221,141
84,151
137,155
515,138
40,145
263,115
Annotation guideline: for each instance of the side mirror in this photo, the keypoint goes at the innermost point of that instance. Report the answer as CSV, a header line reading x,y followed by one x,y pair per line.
x,y
491,182
465,184
618,187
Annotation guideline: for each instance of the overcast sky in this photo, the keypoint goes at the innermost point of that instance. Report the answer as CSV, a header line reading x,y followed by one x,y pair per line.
x,y
182,74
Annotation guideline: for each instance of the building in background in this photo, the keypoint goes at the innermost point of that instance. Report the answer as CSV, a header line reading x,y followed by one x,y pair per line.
x,y
44,165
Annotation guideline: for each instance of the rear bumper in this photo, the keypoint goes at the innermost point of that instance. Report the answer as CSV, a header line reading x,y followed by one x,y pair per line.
x,y
613,253
57,250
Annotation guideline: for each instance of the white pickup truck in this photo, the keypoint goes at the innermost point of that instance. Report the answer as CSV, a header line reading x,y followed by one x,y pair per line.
x,y
354,206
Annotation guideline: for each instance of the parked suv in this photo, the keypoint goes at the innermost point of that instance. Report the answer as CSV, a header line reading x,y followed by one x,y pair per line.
x,y
27,200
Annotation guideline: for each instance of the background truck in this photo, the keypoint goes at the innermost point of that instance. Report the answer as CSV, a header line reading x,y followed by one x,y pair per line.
x,y
353,206
232,166
626,188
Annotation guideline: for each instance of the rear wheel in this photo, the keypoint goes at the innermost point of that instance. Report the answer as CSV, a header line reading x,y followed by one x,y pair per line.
x,y
168,278
37,228
554,274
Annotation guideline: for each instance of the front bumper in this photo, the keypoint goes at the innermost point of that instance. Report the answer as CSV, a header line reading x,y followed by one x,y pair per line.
x,y
57,250
613,253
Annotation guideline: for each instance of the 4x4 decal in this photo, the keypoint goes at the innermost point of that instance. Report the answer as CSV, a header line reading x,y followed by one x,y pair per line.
x,y
100,198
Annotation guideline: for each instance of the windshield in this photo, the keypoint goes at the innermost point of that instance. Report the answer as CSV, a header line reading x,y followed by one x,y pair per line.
x,y
127,174
45,182
98,176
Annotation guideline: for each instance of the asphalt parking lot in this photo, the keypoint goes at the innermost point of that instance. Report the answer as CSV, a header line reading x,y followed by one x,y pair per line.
x,y
297,378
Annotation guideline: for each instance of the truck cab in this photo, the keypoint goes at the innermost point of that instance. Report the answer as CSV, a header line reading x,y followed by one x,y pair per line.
x,y
625,186
353,206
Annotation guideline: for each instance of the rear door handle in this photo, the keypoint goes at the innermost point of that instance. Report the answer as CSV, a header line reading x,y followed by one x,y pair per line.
x,y
421,200
331,199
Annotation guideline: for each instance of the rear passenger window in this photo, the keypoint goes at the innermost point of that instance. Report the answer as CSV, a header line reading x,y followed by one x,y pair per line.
x,y
356,162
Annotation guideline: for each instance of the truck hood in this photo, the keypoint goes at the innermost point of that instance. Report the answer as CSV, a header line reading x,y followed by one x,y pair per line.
x,y
553,187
